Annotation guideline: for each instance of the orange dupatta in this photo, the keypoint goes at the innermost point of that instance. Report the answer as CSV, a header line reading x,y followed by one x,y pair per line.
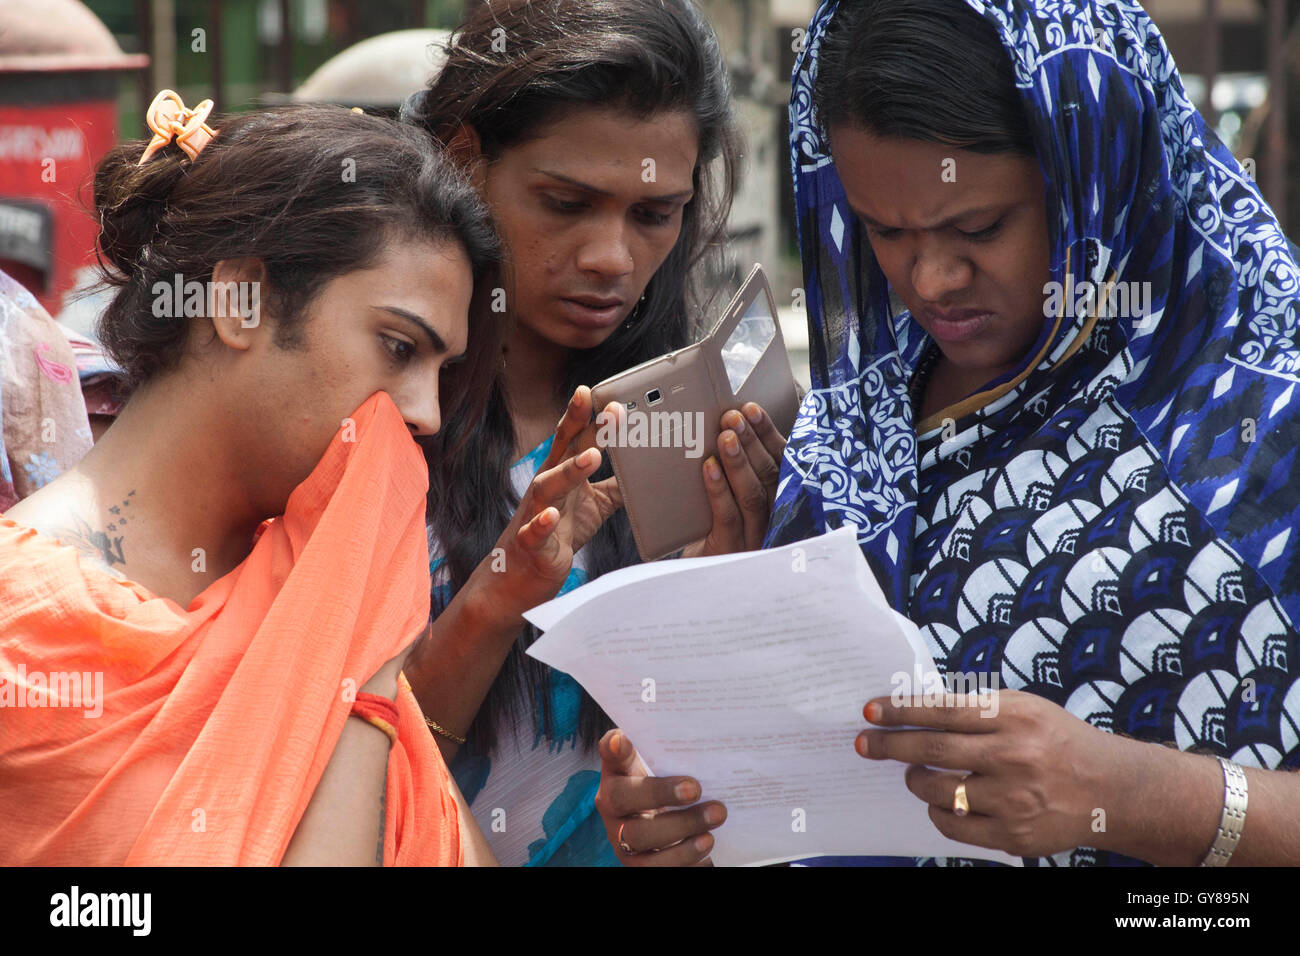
x,y
216,722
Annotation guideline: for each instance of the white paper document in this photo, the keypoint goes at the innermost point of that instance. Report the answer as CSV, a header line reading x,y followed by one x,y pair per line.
x,y
749,673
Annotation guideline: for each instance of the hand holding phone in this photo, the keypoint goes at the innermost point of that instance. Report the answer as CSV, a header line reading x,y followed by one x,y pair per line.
x,y
671,422
741,483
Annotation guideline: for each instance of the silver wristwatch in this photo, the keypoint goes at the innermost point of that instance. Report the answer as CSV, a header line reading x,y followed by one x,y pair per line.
x,y
1234,815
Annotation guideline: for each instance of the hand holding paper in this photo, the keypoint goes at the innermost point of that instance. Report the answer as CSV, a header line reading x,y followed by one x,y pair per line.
x,y
650,821
749,673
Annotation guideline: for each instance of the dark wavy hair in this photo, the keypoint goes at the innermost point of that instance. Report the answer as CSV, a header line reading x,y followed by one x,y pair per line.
x,y
932,70
308,190
641,56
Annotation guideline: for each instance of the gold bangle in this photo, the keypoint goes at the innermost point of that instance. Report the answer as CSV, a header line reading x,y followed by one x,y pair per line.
x,y
434,726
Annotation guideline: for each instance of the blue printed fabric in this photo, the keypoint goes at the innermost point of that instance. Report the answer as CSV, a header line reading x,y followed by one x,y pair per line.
x,y
534,796
1118,532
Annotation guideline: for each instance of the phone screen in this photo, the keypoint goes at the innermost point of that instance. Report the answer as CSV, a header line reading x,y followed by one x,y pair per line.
x,y
747,342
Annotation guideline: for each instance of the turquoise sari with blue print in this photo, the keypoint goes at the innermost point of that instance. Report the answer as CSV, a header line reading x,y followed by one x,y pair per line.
x,y
534,797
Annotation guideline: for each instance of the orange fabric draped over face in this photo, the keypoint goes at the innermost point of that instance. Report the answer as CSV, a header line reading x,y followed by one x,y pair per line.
x,y
216,723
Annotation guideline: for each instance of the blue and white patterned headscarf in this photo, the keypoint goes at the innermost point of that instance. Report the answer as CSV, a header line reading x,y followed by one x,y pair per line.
x,y
1117,530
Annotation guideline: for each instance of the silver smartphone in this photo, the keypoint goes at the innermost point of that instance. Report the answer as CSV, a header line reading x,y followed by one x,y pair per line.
x,y
669,423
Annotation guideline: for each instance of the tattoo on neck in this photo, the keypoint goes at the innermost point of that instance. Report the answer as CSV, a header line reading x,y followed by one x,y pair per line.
x,y
105,546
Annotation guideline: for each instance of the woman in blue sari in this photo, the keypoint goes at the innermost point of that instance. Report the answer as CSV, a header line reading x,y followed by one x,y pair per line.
x,y
600,134
1055,369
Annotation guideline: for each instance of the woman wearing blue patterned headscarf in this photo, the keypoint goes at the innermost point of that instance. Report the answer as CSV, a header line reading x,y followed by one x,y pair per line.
x,y
1055,366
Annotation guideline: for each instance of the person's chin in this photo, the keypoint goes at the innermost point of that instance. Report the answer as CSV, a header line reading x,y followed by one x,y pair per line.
x,y
576,336
983,360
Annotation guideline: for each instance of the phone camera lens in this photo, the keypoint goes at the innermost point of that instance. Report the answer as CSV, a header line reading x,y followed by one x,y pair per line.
x,y
654,396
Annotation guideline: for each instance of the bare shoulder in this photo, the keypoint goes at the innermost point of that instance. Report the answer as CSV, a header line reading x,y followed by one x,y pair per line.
x,y
67,510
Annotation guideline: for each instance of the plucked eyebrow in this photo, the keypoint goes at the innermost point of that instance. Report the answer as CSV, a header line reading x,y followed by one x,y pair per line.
x,y
579,184
439,346
981,210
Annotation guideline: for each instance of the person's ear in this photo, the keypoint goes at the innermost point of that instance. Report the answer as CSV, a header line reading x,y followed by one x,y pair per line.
x,y
466,150
235,301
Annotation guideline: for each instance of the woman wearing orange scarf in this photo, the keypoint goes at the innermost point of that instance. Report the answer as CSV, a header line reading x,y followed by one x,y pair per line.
x,y
192,616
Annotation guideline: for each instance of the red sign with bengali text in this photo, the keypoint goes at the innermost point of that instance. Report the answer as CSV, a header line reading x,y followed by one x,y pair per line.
x,y
47,160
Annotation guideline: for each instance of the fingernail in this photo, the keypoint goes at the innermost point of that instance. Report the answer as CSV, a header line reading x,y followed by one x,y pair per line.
x,y
704,843
753,413
686,791
873,712
713,816
861,744
739,427
715,472
730,445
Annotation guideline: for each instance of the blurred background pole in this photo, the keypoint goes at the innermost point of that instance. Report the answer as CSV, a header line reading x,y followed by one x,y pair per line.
x,y
354,32
217,75
162,58
284,58
156,21
144,29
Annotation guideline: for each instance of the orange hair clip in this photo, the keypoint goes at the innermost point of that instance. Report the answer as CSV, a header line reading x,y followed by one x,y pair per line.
x,y
169,119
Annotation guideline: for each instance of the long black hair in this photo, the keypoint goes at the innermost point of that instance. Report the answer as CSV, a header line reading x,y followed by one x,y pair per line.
x,y
642,56
932,70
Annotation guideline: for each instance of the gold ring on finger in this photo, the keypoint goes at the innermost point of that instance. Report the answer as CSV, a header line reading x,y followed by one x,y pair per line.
x,y
622,844
960,805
